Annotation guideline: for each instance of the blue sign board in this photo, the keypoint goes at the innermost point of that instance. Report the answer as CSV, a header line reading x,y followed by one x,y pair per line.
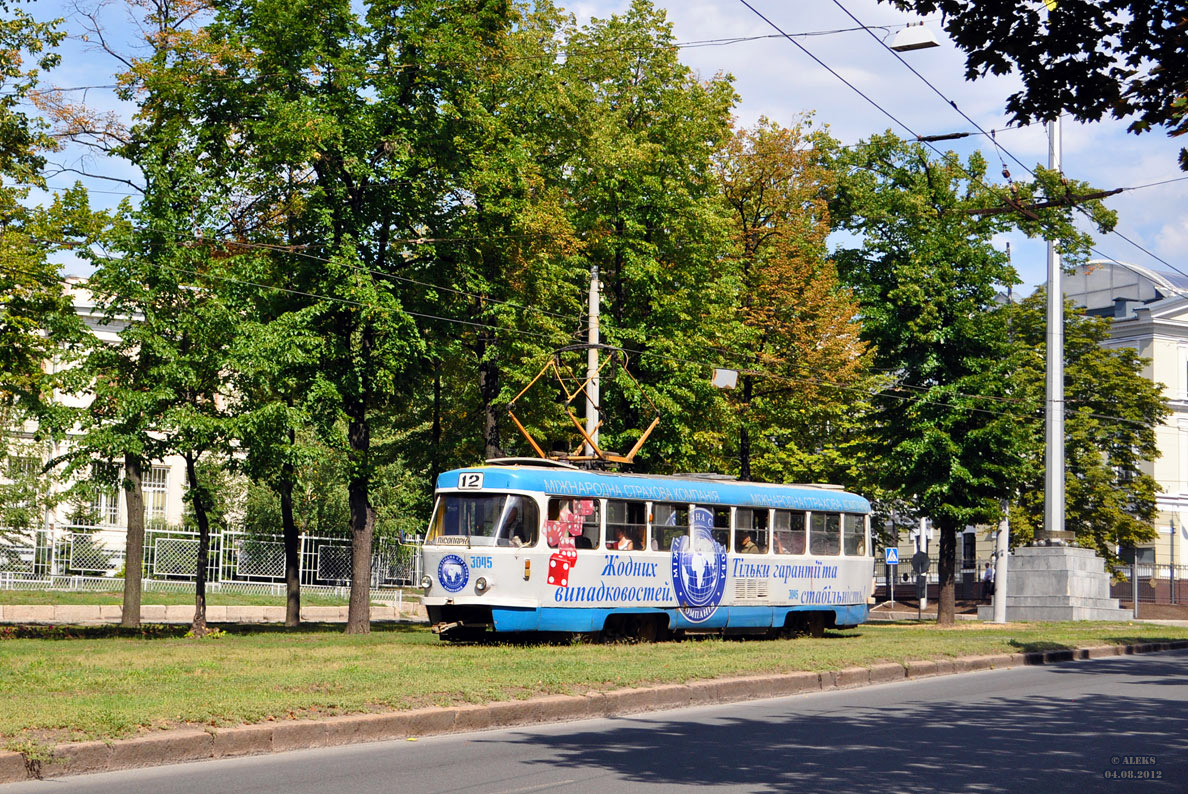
x,y
892,556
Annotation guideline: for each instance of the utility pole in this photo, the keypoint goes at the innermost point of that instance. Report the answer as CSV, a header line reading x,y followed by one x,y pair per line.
x,y
1001,558
592,361
1054,448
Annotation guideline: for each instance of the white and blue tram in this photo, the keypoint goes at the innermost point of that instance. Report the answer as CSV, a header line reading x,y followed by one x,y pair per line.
x,y
534,547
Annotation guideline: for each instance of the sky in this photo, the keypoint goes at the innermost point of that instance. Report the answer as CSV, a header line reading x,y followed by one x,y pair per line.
x,y
776,79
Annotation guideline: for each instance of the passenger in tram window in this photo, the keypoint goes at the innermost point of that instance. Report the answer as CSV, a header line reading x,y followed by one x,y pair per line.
x,y
748,545
622,542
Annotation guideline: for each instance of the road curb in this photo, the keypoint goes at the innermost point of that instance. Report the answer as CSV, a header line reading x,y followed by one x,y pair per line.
x,y
176,746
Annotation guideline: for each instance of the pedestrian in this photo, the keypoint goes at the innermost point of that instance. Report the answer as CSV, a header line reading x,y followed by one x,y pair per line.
x,y
988,583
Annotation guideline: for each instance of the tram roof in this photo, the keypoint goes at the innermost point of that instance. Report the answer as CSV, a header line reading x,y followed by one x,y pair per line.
x,y
660,488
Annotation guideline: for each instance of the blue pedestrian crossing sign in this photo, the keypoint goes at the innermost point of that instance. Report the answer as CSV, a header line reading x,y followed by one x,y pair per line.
x,y
892,556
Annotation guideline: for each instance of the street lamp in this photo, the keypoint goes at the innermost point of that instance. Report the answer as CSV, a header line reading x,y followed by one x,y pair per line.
x,y
913,37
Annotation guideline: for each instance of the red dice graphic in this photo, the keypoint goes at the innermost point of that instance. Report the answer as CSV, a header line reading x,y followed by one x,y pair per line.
x,y
585,507
559,570
568,551
573,525
553,532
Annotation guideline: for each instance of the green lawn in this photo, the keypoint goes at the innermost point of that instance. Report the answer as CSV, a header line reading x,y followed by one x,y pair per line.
x,y
75,684
62,597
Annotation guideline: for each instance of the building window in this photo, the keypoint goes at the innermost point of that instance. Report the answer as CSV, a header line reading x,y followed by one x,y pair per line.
x,y
105,499
156,490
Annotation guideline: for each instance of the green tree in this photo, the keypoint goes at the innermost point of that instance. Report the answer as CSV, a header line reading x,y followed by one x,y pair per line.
x,y
1111,416
1123,58
646,201
927,276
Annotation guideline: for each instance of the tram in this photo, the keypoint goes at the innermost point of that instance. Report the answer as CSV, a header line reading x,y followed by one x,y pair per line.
x,y
529,545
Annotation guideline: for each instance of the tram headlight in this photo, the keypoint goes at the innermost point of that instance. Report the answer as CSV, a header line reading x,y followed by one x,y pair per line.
x,y
482,585
426,581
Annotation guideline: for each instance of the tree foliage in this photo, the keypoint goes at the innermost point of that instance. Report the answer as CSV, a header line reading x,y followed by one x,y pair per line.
x,y
1112,412
1090,58
928,275
799,328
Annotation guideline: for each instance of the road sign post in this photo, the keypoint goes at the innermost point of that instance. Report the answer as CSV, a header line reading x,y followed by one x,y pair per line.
x,y
891,557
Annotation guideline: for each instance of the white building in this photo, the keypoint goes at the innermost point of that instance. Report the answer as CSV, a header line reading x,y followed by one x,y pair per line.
x,y
1150,314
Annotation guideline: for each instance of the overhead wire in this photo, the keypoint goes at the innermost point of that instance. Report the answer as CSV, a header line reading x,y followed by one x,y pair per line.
x,y
998,147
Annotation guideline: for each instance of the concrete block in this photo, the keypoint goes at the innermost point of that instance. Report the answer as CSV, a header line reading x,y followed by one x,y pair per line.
x,y
111,612
216,614
156,749
242,740
29,613
152,613
851,677
297,735
179,613
12,768
626,701
473,718
427,722
945,667
1102,651
668,696
999,661
918,668
79,758
886,673
559,708
509,712
1054,657
75,614
272,614
968,664
795,683
383,612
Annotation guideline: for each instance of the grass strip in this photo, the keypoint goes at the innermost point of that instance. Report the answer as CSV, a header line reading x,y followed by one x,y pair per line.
x,y
101,683
109,597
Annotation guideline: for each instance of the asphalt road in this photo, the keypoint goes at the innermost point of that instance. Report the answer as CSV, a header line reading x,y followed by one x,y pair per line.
x,y
1067,727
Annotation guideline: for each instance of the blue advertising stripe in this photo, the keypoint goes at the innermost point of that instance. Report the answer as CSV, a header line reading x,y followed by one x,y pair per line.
x,y
565,482
587,619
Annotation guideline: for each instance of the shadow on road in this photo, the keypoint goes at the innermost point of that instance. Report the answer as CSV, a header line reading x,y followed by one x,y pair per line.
x,y
1036,742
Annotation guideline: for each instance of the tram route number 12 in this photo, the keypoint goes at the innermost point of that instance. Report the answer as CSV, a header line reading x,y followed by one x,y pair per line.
x,y
470,480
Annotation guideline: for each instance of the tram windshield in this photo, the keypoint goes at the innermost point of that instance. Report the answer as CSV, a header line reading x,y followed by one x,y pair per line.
x,y
486,519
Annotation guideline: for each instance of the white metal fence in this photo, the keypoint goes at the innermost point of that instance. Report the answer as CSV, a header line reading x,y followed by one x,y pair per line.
x,y
236,559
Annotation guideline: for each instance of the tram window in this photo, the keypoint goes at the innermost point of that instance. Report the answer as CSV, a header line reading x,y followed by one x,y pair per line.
x,y
750,531
521,522
788,532
669,522
721,526
567,514
825,534
853,535
625,525
475,516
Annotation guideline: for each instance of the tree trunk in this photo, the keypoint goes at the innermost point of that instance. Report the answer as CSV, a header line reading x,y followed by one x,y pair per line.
x,y
488,391
362,524
435,458
134,542
946,569
292,547
744,433
198,503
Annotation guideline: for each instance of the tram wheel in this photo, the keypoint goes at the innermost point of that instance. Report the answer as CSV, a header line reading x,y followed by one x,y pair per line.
x,y
647,629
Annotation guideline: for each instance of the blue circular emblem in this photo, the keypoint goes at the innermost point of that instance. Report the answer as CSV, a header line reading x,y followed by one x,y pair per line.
x,y
452,573
698,573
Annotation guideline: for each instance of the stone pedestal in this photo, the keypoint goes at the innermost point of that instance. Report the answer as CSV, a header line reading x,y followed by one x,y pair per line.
x,y
1057,583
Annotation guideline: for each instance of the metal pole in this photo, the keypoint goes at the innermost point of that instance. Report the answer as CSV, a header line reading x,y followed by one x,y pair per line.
x,y
592,362
891,579
1134,588
1171,572
1054,454
1001,558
